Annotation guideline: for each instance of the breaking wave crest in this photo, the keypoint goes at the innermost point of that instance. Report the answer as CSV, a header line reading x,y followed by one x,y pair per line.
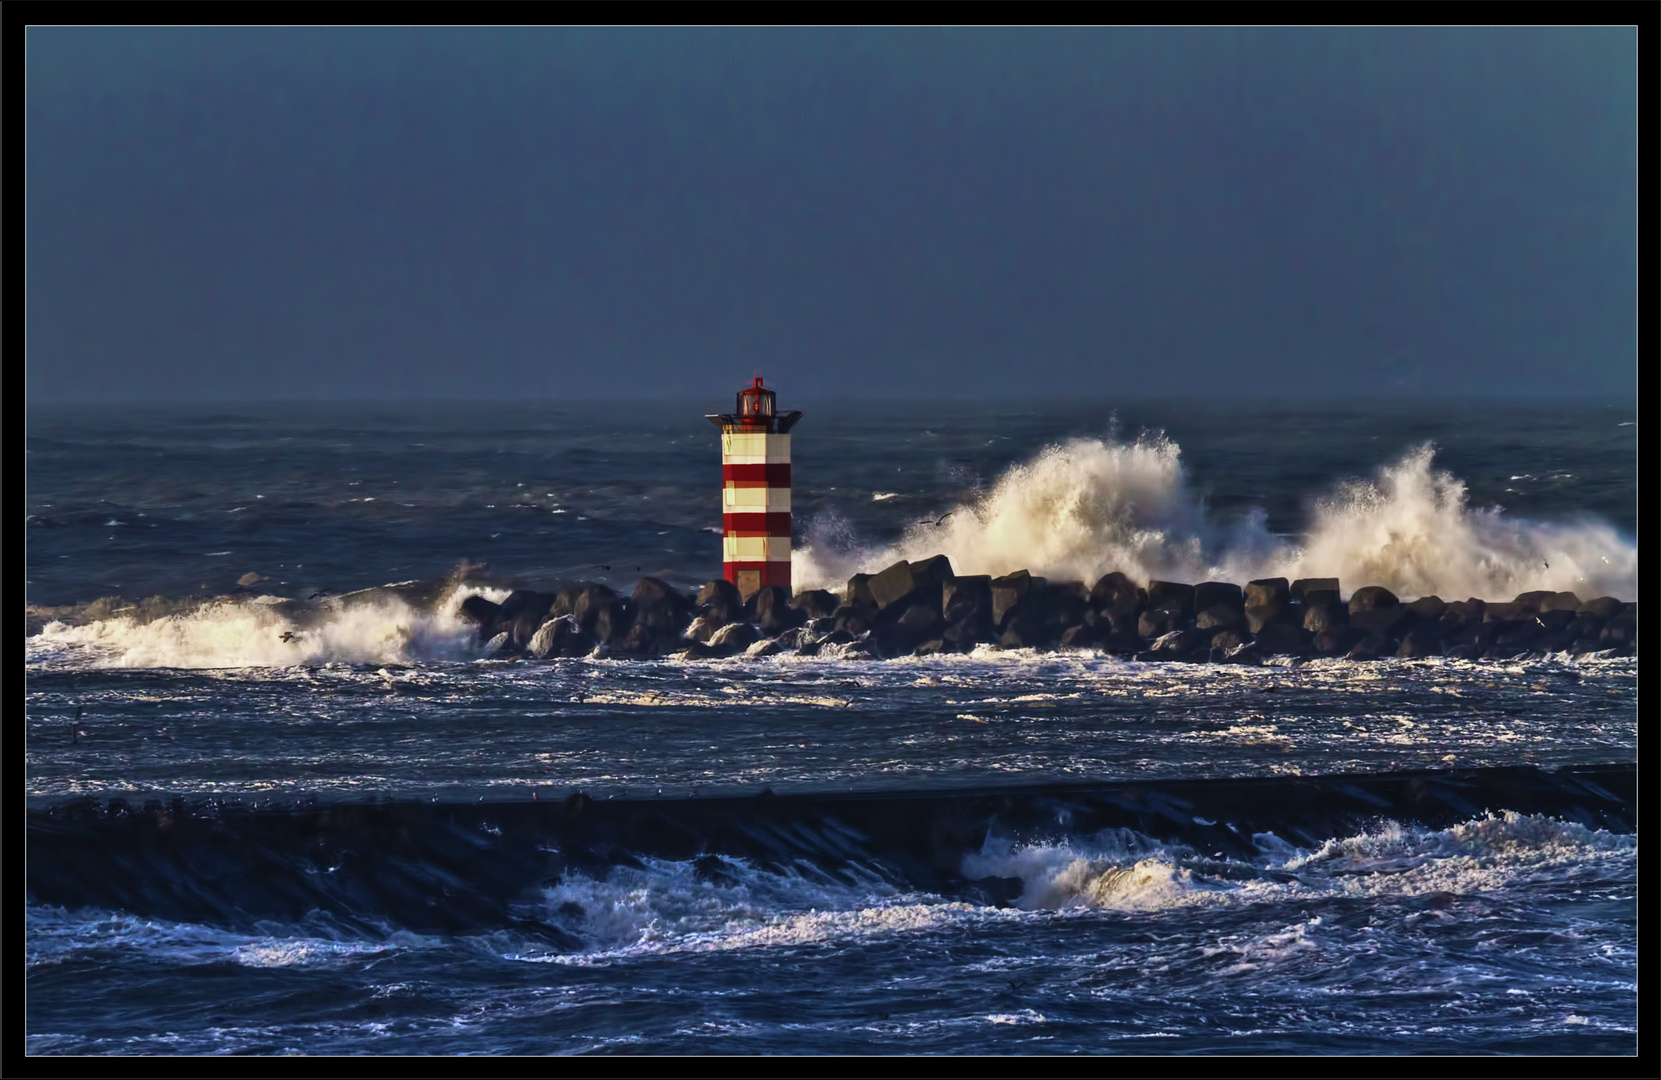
x,y
377,627
1086,507
1125,871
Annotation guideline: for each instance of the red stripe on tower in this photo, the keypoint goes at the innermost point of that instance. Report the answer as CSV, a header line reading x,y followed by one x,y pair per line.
x,y
755,490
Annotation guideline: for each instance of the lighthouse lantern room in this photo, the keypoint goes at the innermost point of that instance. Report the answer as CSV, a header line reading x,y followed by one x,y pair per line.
x,y
755,490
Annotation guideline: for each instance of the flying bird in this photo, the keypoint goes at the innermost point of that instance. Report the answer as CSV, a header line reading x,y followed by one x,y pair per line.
x,y
937,520
319,592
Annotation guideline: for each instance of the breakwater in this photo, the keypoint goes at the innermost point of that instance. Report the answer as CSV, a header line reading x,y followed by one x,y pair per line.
x,y
922,607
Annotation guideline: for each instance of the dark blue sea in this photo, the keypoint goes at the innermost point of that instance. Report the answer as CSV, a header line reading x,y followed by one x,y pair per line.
x,y
283,801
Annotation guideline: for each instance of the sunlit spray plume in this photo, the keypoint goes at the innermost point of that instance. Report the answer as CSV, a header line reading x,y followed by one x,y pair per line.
x,y
1412,532
1086,507
1076,510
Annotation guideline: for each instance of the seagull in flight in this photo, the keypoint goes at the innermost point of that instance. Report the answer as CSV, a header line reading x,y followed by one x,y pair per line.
x,y
937,520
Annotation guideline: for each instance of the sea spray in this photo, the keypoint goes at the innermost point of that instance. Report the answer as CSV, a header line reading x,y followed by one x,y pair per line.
x,y
1412,531
1086,507
379,627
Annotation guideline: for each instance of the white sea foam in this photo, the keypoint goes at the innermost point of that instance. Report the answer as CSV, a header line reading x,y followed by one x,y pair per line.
x,y
267,632
1121,870
1083,508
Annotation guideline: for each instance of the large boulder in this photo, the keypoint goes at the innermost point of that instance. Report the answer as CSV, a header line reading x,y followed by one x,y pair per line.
x,y
734,638
1116,593
1604,607
1530,601
1260,615
1509,612
1219,617
966,633
703,627
1392,621
892,585
1372,598
1372,647
1157,622
1227,639
1555,619
1317,597
933,571
480,612
643,641
1585,624
1280,638
1620,631
1022,631
859,591
1066,603
660,609
1428,608
1470,610
1121,635
1303,587
1563,601
1328,616
1172,596
613,616
1212,594
1335,641
1266,591
1078,637
560,636
1451,626
520,615
919,622
856,619
1421,641
1176,643
969,599
1518,635
588,603
542,642
770,609
1018,590
815,603
720,599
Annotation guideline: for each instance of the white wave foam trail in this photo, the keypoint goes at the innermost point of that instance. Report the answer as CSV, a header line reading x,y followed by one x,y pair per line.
x,y
267,632
1125,871
1086,507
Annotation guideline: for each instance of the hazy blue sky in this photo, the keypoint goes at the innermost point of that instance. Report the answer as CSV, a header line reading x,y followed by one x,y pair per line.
x,y
254,214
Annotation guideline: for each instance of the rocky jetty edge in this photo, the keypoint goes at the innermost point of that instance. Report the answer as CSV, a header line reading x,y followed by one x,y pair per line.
x,y
922,608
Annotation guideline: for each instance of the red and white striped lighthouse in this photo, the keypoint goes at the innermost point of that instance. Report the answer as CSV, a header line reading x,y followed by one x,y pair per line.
x,y
755,490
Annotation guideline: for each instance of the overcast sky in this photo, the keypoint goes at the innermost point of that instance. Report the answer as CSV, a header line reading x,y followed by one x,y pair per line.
x,y
340,214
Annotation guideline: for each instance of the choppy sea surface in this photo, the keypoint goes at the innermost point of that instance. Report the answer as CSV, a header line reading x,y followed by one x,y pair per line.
x,y
210,627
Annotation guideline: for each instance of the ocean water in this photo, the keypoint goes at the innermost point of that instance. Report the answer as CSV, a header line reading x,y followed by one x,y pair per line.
x,y
334,717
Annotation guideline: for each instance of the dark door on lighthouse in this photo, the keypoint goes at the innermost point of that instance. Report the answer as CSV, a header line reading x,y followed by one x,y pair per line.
x,y
748,582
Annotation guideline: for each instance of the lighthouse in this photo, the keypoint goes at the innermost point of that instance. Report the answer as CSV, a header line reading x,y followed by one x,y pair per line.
x,y
755,490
